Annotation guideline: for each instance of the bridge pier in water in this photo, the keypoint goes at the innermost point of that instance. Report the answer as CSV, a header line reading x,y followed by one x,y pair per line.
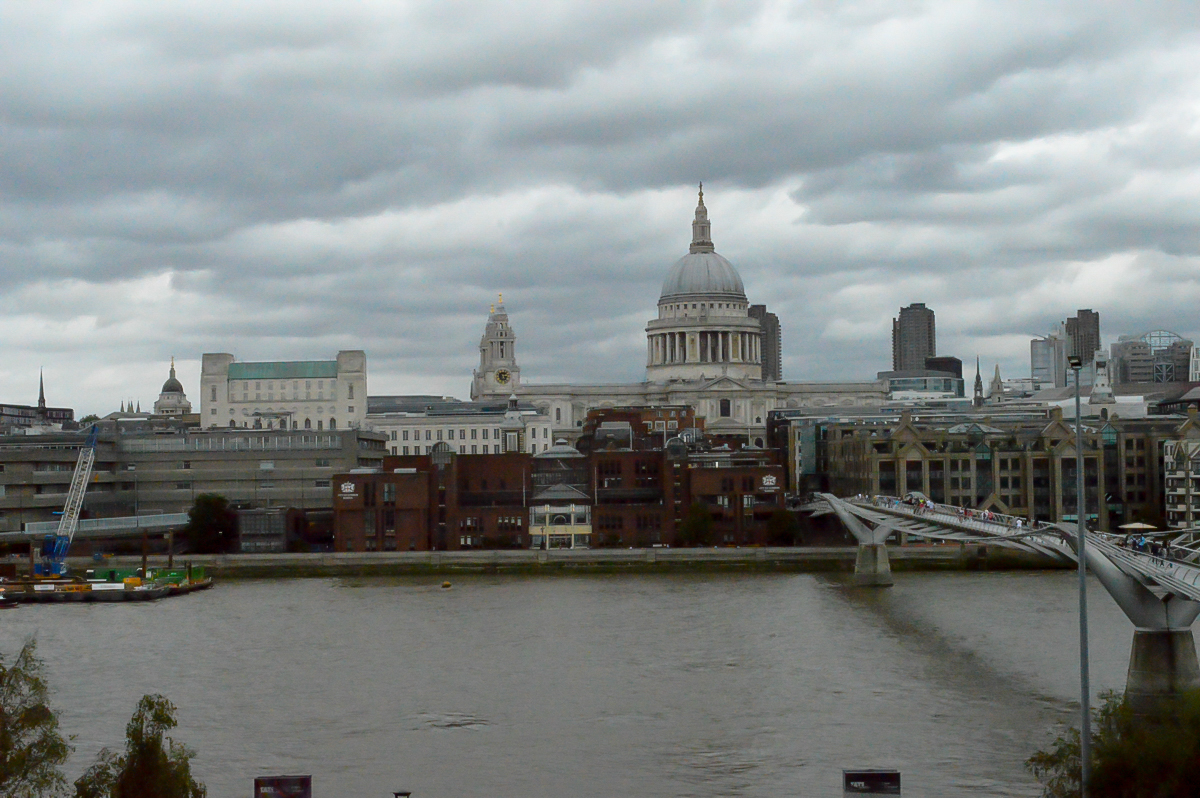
x,y
1162,660
1162,664
871,567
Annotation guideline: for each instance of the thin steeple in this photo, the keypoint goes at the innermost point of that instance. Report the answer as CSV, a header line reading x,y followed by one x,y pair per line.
x,y
41,393
701,228
978,400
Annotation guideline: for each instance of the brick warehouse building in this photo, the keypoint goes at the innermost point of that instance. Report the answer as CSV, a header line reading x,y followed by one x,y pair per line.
x,y
629,496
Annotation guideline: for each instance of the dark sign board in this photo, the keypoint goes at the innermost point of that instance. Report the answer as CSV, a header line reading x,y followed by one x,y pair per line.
x,y
283,787
871,782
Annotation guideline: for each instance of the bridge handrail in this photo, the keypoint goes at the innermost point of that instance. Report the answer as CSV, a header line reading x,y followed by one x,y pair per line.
x,y
966,517
969,516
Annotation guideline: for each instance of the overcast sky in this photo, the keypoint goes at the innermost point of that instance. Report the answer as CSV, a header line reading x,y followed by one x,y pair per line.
x,y
281,180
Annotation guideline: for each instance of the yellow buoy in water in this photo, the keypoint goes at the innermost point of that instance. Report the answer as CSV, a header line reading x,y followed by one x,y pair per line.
x,y
445,584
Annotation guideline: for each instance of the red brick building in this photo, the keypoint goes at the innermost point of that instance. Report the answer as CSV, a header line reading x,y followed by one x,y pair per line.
x,y
634,497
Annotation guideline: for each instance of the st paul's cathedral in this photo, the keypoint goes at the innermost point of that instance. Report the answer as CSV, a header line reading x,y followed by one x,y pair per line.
x,y
704,349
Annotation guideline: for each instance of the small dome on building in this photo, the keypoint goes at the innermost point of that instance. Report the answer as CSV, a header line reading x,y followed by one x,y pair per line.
x,y
172,401
172,385
560,450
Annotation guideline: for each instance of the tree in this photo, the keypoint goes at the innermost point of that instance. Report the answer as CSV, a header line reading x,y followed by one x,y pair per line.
x,y
90,418
782,528
697,526
212,525
1154,754
153,764
32,750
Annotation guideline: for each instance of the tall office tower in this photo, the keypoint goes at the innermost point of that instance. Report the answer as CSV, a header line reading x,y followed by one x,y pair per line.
x,y
1083,331
772,343
913,338
1048,358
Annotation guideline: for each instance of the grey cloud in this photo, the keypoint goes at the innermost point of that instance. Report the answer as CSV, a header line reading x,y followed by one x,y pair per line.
x,y
336,176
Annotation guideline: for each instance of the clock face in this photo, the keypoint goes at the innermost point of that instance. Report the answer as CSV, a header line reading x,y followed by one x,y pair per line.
x,y
502,376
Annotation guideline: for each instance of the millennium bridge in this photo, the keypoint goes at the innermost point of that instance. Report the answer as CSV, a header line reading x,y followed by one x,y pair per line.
x,y
1160,594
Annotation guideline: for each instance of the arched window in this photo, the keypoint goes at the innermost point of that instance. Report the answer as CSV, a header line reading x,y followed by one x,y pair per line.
x,y
333,423
308,423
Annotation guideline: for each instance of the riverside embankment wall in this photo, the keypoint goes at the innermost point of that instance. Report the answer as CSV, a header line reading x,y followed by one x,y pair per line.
x,y
799,560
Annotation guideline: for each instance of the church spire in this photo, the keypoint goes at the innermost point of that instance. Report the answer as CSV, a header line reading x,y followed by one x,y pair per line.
x,y
977,401
701,227
41,394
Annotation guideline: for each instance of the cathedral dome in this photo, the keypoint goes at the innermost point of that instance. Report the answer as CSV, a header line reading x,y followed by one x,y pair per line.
x,y
702,271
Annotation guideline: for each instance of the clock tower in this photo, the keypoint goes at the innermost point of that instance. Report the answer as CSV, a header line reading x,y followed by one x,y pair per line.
x,y
498,373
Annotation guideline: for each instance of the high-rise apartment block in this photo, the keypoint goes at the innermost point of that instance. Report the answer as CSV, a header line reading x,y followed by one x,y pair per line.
x,y
913,338
772,343
1083,331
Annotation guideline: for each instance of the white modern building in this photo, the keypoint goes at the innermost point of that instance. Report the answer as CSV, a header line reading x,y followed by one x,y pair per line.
x,y
305,394
703,349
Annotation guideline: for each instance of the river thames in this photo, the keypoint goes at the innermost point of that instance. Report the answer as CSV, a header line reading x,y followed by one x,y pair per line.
x,y
630,685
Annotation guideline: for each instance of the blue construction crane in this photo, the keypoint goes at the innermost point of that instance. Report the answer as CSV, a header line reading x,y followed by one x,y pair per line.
x,y
56,546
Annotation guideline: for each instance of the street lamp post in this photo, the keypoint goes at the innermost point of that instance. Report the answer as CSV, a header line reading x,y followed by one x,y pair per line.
x,y
1085,726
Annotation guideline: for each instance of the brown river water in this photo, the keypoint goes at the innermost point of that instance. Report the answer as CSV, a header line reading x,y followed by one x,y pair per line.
x,y
523,687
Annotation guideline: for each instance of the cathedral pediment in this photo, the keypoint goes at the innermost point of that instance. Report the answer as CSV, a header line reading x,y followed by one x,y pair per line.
x,y
721,384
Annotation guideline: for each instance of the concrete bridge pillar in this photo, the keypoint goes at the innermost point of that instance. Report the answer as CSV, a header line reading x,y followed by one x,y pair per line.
x,y
871,567
1162,664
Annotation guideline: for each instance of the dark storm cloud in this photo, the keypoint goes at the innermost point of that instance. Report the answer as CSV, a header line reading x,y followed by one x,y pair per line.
x,y
280,180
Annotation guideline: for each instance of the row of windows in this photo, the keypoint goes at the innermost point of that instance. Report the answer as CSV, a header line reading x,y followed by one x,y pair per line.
x,y
317,483
308,384
270,412
714,305
271,423
450,434
244,385
475,448
283,397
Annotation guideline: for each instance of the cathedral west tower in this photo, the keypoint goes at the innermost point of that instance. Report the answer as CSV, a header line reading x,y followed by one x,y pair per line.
x,y
498,372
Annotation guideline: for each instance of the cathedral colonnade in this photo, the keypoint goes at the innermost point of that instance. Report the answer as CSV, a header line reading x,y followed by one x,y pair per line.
x,y
706,346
